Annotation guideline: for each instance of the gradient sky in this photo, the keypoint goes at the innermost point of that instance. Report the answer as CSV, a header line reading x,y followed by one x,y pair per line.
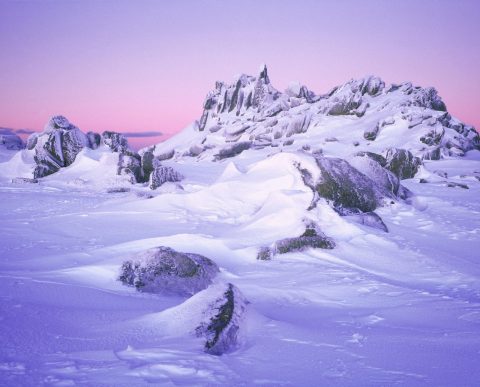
x,y
146,66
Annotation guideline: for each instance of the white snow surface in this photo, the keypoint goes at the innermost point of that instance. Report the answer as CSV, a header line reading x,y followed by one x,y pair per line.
x,y
396,308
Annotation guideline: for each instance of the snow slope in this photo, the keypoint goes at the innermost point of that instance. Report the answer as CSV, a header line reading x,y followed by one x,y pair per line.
x,y
396,308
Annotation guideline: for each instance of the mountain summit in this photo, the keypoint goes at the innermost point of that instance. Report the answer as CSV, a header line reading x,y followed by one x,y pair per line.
x,y
362,114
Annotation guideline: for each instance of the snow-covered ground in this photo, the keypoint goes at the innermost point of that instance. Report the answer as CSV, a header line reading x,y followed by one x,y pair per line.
x,y
397,308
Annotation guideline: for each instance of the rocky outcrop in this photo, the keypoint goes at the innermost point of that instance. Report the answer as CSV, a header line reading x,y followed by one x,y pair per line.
x,y
348,98
233,150
163,174
130,165
117,142
164,270
57,146
223,321
402,163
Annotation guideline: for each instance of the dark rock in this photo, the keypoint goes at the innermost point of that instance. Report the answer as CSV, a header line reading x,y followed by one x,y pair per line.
x,y
423,181
434,154
233,150
331,139
118,190
166,155
460,185
402,163
265,253
223,326
130,165
94,140
164,270
311,238
147,162
24,180
349,190
301,243
371,134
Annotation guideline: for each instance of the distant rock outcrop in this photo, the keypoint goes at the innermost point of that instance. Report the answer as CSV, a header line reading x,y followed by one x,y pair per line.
x,y
10,140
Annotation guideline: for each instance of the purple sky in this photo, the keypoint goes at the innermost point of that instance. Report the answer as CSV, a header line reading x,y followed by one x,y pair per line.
x,y
138,66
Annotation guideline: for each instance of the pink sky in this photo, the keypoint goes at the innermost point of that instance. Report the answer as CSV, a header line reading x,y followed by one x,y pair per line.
x,y
136,66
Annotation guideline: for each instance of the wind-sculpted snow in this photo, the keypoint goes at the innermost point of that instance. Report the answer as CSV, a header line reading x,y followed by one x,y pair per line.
x,y
164,270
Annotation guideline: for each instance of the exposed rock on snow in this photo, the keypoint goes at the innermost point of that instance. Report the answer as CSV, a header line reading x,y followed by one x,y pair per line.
x,y
164,270
24,180
117,142
349,190
233,150
371,134
311,238
402,163
9,140
130,165
383,177
94,140
57,146
223,320
162,174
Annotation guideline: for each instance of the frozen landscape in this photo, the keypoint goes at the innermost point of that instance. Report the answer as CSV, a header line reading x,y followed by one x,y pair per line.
x,y
285,238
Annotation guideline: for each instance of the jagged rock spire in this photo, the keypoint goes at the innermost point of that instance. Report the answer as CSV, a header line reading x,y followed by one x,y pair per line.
x,y
264,74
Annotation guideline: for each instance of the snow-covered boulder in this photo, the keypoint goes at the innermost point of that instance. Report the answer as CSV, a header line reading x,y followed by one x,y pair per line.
x,y
57,146
402,163
164,270
223,321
